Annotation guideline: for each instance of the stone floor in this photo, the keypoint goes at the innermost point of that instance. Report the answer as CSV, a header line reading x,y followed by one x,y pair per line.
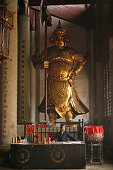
x,y
105,166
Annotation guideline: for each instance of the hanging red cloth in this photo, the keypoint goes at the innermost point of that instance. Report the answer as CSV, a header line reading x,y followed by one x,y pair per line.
x,y
30,128
37,134
91,130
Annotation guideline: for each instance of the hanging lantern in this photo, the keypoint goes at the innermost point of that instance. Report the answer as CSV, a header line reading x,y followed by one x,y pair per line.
x,y
6,24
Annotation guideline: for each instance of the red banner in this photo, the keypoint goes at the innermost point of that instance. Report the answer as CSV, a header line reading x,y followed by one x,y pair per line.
x,y
30,128
42,125
91,130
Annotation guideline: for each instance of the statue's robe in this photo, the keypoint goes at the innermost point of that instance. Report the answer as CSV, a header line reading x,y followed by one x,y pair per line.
x,y
64,64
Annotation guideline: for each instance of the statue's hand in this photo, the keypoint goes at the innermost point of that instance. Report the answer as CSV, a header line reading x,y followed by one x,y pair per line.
x,y
46,64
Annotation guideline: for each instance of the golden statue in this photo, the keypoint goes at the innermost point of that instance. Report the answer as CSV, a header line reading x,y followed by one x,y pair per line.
x,y
64,64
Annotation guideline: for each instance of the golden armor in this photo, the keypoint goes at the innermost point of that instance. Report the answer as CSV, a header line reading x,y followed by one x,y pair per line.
x,y
63,64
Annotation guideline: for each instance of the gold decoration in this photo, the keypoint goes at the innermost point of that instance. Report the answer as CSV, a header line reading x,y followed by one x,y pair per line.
x,y
58,156
6,24
23,156
64,63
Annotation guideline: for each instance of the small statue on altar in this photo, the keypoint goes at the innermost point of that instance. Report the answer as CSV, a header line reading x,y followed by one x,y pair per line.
x,y
63,65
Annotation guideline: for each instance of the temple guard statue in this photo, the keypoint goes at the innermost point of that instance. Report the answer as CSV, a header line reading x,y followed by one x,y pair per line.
x,y
64,63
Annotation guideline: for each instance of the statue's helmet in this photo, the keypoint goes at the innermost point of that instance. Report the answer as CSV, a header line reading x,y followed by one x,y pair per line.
x,y
59,37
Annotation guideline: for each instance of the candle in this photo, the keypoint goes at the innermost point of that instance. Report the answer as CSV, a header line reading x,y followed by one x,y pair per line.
x,y
15,139
12,139
19,139
49,140
44,140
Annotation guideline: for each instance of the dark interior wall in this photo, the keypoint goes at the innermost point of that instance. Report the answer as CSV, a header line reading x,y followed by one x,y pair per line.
x,y
103,69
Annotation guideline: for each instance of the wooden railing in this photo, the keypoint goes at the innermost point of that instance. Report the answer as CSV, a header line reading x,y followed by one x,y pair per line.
x,y
44,130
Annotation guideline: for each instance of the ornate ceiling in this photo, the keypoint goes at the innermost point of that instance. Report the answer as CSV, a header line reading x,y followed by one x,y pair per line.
x,y
60,2
75,11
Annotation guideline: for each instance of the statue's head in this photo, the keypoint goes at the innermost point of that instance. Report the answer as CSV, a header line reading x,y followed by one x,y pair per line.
x,y
59,37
